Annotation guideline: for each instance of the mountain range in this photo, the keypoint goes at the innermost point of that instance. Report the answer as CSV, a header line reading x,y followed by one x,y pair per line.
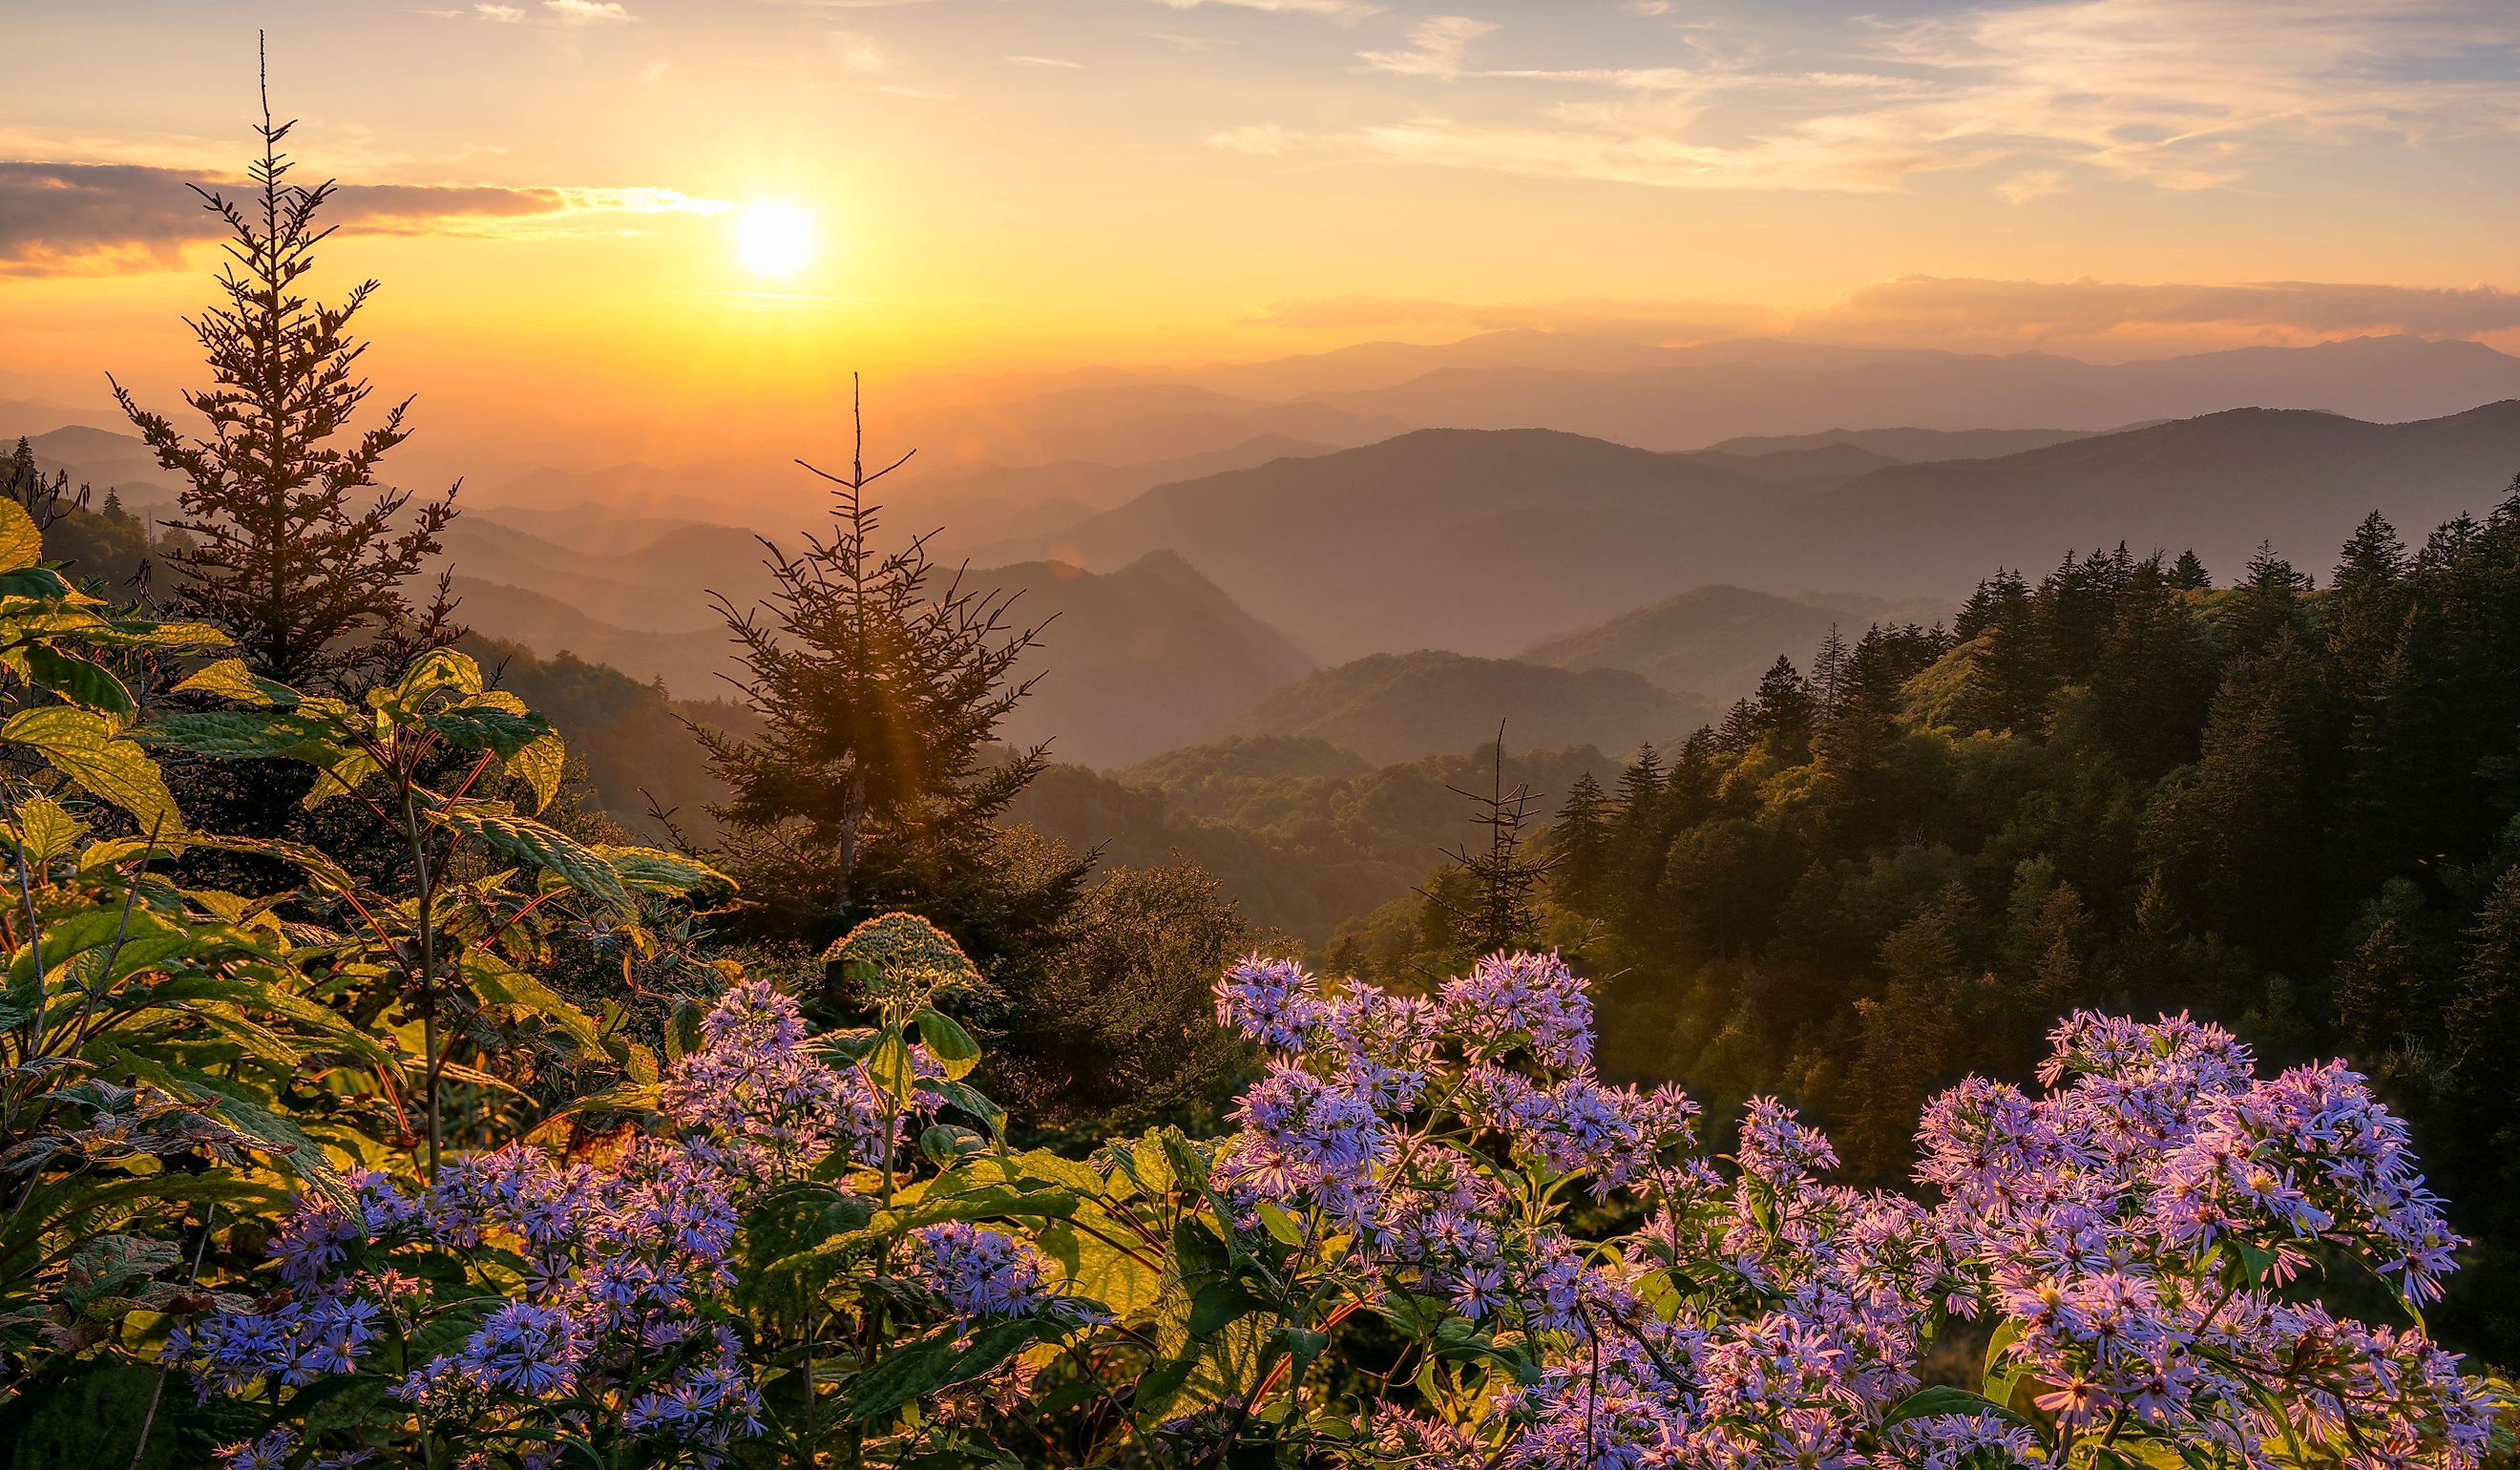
x,y
1392,707
1489,541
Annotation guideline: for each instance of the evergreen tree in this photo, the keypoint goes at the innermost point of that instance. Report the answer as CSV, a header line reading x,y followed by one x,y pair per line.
x,y
46,501
1579,844
1784,709
2266,604
295,549
2188,574
1495,904
873,780
1828,671
2485,1007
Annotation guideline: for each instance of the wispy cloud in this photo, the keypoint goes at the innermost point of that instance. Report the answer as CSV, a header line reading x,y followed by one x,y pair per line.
x,y
586,12
110,218
2106,318
856,51
1667,321
504,15
2176,94
1437,47
1344,10
1059,64
2033,313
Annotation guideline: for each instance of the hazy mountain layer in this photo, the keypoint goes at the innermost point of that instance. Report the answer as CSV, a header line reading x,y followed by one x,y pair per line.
x,y
1711,641
1488,542
1398,706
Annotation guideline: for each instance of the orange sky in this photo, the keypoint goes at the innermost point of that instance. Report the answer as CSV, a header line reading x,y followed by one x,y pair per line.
x,y
1048,183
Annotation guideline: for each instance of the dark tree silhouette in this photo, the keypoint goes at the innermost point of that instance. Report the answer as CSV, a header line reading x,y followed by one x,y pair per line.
x,y
875,778
294,547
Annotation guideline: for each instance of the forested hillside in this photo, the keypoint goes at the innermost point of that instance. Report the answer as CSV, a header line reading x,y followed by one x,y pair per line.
x,y
2118,784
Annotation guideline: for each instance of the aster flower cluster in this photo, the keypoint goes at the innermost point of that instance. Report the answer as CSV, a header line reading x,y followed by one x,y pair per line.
x,y
2128,1236
756,1101
612,1277
2137,1226
979,1272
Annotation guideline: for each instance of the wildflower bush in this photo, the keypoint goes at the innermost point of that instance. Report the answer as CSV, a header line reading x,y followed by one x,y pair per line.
x,y
1436,1238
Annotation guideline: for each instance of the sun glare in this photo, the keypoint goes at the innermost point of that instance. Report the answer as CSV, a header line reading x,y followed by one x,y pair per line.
x,y
774,239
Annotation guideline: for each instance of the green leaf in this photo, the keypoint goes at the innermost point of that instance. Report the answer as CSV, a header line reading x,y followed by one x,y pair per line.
x,y
230,679
91,685
498,983
890,1068
435,671
789,1219
478,725
974,1101
540,764
649,870
945,1143
1942,1399
88,749
547,848
249,735
47,831
1281,1225
915,1369
1218,1305
21,544
2002,1372
948,1043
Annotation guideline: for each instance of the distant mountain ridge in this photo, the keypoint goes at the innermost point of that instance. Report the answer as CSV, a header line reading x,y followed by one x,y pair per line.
x,y
1490,541
1710,640
1391,707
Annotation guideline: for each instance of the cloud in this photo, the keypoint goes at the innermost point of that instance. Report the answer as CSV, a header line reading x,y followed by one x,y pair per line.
x,y
1052,62
1437,46
504,15
2173,94
109,218
1947,311
586,12
2099,319
857,51
1665,322
1342,10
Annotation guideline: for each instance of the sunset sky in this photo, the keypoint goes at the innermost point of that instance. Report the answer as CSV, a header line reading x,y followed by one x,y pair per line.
x,y
555,191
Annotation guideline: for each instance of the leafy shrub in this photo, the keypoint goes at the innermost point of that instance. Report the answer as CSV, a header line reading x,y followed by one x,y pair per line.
x,y
1436,1238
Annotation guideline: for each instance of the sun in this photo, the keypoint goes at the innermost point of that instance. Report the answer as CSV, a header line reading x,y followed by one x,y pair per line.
x,y
774,239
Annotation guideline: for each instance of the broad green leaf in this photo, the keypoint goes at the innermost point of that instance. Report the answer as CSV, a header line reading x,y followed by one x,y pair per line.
x,y
1105,1259
21,544
1281,1225
88,748
230,679
649,870
1218,1305
249,735
2001,1371
784,1229
500,983
540,764
890,1068
912,1370
340,776
477,725
547,848
47,830
948,1043
89,685
1942,1399
434,671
